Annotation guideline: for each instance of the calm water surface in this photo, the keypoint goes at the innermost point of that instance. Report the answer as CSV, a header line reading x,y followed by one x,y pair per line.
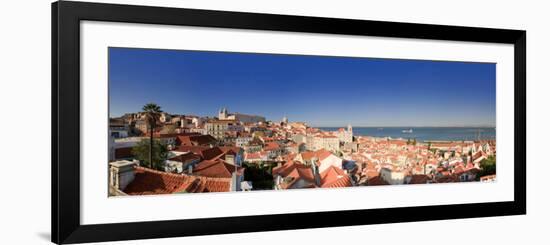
x,y
424,133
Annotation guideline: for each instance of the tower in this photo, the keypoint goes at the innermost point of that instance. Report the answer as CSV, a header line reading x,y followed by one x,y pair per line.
x,y
285,120
349,134
222,114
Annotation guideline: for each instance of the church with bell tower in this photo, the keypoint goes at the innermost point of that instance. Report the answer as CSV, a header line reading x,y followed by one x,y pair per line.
x,y
222,114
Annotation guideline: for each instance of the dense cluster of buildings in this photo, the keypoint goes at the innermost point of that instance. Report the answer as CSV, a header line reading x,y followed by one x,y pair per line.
x,y
212,154
397,161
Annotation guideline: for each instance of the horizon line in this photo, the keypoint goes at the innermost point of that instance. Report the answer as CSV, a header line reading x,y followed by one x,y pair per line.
x,y
344,125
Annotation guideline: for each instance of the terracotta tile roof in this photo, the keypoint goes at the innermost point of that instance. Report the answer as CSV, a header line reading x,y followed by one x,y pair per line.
x,y
419,179
284,169
278,169
308,155
195,140
297,174
377,181
322,154
271,146
231,149
441,144
212,153
216,168
371,173
302,173
446,179
478,155
253,155
289,156
458,169
171,135
187,157
397,142
205,152
151,182
294,169
334,177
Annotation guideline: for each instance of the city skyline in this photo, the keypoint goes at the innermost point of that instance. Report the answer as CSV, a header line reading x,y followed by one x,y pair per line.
x,y
322,91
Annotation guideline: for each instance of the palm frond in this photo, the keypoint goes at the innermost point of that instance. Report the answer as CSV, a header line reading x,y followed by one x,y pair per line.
x,y
151,107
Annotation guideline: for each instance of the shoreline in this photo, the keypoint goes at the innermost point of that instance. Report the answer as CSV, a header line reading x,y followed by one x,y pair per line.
x,y
424,134
424,141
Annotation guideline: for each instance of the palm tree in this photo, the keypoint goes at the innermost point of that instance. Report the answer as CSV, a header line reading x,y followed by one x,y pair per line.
x,y
152,113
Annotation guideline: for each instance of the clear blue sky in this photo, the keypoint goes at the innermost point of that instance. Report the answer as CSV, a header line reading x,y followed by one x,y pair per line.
x,y
320,90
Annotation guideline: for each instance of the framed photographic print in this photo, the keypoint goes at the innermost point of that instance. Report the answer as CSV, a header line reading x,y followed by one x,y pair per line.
x,y
176,122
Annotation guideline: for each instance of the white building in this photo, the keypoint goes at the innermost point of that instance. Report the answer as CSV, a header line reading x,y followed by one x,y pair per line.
x,y
165,117
299,138
329,142
121,173
197,121
118,128
202,131
118,132
345,135
218,128
392,177
242,141
328,160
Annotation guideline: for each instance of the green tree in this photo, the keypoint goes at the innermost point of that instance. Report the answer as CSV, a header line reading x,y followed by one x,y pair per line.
x,y
259,175
142,151
152,114
488,166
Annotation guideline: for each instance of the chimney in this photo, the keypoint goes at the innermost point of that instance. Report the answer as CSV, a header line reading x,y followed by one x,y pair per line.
x,y
122,173
190,169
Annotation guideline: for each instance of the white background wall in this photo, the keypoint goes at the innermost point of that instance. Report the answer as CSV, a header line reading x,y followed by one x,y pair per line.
x,y
25,120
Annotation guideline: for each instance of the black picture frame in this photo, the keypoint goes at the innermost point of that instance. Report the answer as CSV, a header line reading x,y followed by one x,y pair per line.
x,y
66,17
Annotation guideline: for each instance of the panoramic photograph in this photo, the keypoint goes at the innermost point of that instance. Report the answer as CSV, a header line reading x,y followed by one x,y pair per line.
x,y
185,121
